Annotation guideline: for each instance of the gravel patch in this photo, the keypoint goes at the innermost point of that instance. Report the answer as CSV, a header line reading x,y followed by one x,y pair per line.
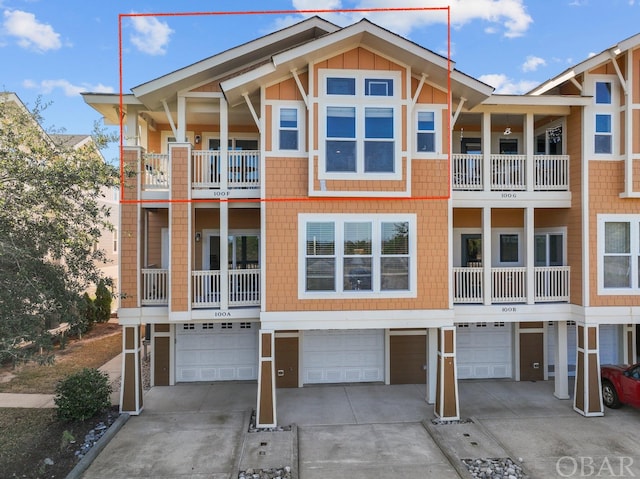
x,y
497,468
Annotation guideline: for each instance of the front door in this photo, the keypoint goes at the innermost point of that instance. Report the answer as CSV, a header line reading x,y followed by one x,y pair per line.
x,y
531,352
286,362
408,359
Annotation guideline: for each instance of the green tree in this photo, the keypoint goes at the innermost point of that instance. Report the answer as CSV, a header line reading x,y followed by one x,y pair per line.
x,y
102,302
50,220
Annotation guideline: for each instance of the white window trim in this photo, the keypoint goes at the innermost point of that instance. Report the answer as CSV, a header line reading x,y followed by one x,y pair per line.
x,y
562,231
612,109
339,220
302,129
360,102
634,248
437,112
208,135
495,248
164,140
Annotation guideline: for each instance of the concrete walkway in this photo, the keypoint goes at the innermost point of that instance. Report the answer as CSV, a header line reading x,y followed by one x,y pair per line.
x,y
113,368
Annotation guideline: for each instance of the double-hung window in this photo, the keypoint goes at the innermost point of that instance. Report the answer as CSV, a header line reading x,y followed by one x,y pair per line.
x,y
603,118
288,133
359,123
357,255
619,254
426,132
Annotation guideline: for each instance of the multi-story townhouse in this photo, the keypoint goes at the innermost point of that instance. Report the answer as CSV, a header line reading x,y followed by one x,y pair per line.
x,y
328,205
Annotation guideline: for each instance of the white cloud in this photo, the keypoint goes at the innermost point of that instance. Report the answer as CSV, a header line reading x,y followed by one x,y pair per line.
x,y
506,85
47,86
30,32
151,35
532,63
509,16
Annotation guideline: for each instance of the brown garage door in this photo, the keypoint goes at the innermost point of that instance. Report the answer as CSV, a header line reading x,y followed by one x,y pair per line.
x,y
408,357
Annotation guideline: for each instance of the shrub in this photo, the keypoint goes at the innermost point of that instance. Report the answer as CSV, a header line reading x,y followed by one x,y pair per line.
x,y
82,395
103,302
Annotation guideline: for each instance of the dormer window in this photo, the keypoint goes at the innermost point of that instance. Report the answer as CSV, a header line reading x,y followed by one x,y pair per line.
x,y
359,124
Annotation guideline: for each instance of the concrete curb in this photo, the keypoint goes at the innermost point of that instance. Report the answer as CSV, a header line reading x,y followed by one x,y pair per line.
x,y
295,458
449,453
86,461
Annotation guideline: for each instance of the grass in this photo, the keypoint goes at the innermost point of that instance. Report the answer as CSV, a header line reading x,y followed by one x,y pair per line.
x,y
102,343
29,436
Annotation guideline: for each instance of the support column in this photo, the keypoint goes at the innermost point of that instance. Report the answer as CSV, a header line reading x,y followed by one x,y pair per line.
x,y
588,395
131,381
487,280
432,364
447,406
266,407
561,361
529,248
629,346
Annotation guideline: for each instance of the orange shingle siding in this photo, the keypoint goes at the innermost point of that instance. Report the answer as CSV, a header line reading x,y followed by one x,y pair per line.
x,y
605,183
286,178
575,246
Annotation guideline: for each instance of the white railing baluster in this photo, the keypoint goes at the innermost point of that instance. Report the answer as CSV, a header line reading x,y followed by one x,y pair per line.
x,y
155,171
552,284
551,173
467,285
154,286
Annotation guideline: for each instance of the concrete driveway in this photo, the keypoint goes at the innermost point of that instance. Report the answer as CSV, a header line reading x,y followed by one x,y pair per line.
x,y
366,431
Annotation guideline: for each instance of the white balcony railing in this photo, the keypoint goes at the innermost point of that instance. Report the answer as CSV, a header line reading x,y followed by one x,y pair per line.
x,y
467,172
244,287
508,172
551,172
205,289
467,285
155,171
243,169
509,285
155,287
552,284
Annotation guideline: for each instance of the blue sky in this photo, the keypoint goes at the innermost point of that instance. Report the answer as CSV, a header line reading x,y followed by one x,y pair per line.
x,y
55,49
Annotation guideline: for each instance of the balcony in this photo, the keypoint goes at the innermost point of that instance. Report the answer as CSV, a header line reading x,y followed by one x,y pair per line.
x,y
509,285
509,173
243,288
240,174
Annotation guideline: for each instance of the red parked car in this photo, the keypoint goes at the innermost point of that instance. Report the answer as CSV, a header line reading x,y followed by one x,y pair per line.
x,y
620,385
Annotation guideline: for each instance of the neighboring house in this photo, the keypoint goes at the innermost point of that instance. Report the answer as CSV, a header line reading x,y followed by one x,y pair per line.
x,y
108,239
325,205
110,196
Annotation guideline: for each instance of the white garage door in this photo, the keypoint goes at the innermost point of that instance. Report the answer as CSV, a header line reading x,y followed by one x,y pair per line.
x,y
216,351
343,356
484,350
571,347
609,345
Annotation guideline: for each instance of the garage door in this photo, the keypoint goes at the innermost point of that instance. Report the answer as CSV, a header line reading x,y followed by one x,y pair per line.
x,y
484,350
571,347
609,345
216,352
343,356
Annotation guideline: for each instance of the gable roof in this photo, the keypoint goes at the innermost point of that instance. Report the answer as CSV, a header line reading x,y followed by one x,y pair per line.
x,y
604,56
365,33
236,59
